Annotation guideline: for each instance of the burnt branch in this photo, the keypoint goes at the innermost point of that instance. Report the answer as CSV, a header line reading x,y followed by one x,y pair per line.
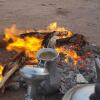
x,y
75,39
35,34
15,64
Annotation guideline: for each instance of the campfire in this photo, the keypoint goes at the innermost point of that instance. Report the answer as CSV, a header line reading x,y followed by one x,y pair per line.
x,y
31,42
76,54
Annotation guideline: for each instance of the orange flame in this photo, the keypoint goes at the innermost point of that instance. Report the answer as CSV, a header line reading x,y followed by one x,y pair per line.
x,y
1,71
69,53
30,45
54,27
11,32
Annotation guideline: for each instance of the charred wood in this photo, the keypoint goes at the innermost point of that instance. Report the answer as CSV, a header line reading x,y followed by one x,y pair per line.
x,y
15,64
75,39
35,34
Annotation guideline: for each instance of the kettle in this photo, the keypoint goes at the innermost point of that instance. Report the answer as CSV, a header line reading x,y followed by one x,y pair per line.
x,y
83,92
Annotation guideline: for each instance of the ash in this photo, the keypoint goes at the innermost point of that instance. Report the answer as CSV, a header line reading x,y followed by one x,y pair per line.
x,y
81,73
68,75
86,68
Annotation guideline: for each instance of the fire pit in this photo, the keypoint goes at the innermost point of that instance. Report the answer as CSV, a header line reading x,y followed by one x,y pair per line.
x,y
68,57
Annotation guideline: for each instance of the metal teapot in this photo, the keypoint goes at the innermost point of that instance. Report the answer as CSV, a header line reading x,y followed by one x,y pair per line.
x,y
83,92
33,75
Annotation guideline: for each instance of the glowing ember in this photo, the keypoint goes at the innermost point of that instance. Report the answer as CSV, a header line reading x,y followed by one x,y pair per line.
x,y
30,45
69,54
1,71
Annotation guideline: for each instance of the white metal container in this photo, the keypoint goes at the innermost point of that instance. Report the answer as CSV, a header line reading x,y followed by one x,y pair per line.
x,y
80,92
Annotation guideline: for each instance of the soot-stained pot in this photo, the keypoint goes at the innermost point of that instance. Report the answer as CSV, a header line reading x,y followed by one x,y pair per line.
x,y
83,92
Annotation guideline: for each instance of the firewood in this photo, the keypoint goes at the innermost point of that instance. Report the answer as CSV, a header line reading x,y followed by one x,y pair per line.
x,y
17,56
14,67
8,74
75,39
36,34
8,66
30,34
62,41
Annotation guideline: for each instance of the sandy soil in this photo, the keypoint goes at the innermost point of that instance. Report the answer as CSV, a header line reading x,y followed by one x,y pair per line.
x,y
13,95
82,16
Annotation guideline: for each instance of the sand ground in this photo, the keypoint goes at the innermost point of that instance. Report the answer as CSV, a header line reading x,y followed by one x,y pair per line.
x,y
82,16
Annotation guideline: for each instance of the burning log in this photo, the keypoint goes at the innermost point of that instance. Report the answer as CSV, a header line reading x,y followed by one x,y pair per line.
x,y
15,64
30,34
75,39
36,34
8,75
16,58
55,39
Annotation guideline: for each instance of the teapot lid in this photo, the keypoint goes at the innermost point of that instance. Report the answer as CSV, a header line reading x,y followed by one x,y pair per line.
x,y
29,71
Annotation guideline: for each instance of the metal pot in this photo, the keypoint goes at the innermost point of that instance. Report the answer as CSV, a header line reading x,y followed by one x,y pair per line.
x,y
83,92
53,82
33,77
47,50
